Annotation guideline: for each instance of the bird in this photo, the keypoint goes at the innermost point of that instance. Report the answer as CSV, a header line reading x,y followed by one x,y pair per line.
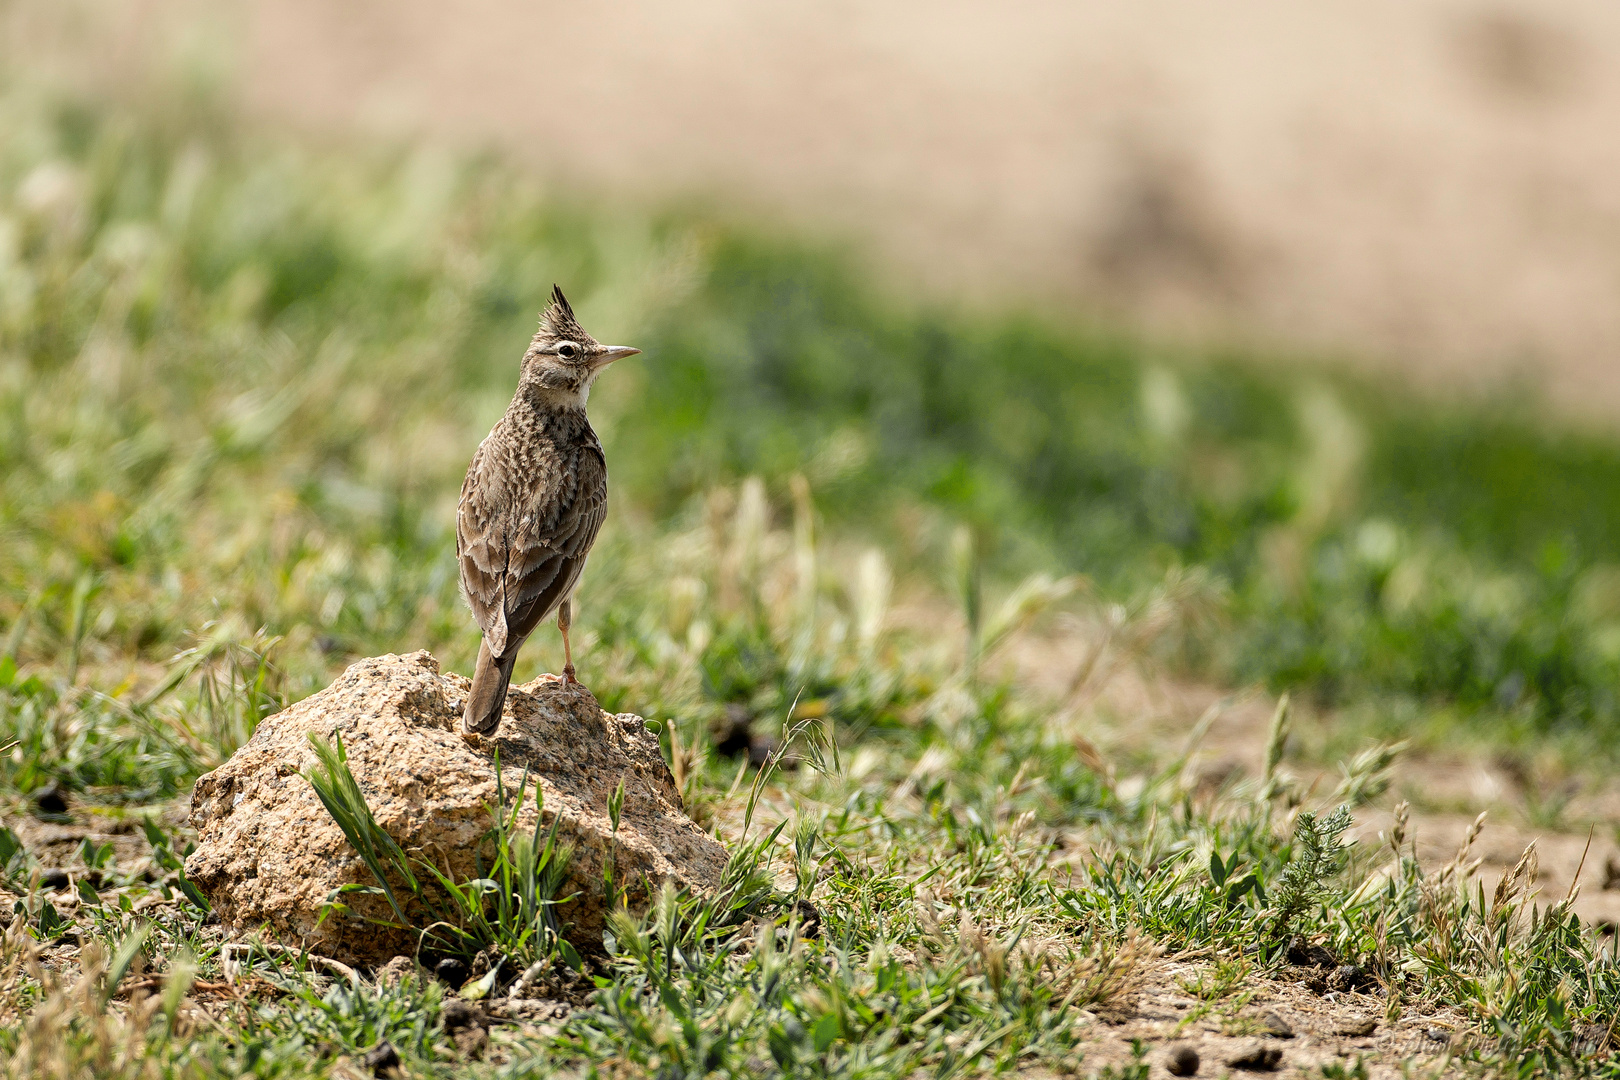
x,y
532,503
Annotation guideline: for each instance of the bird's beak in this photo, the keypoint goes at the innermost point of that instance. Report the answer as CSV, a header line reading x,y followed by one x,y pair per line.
x,y
612,353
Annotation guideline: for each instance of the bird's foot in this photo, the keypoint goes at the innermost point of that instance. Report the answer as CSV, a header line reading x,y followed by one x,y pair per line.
x,y
568,675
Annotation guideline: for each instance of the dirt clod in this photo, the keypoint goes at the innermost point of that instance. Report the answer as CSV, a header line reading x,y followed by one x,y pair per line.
x,y
452,972
1345,978
396,971
458,1014
1356,1025
809,919
467,1027
1274,1025
50,802
1181,1060
1255,1056
1305,953
382,1059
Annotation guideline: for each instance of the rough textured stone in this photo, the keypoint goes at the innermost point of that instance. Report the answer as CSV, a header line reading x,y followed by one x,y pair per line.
x,y
268,854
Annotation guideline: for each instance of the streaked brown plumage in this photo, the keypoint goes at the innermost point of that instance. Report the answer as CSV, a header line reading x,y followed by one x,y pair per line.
x,y
531,505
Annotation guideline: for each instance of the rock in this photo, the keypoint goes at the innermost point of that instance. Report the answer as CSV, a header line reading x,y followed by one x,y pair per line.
x,y
1272,1023
1255,1055
1181,1060
269,855
1356,1025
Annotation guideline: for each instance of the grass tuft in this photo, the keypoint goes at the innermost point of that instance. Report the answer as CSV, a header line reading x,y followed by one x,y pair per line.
x,y
239,382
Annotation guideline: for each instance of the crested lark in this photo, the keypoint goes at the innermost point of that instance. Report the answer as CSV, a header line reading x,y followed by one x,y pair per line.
x,y
533,500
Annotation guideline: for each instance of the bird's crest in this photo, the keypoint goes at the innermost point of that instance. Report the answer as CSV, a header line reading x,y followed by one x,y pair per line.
x,y
557,321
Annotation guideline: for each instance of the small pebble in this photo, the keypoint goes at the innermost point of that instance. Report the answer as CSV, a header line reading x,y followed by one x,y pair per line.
x,y
1275,1026
1357,1025
1181,1060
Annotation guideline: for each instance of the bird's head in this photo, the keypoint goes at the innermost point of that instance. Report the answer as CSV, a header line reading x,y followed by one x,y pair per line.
x,y
563,359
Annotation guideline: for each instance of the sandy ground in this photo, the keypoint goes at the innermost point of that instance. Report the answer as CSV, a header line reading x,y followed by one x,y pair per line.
x,y
1421,184
1577,848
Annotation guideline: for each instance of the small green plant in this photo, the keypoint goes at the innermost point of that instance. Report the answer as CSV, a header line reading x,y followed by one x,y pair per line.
x,y
1366,776
1228,876
94,856
1317,856
1338,1070
512,909
48,922
128,954
508,910
1218,982
14,860
164,855
1137,1069
610,888
340,793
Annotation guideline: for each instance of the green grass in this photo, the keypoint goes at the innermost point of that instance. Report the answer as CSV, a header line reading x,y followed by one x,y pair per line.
x,y
506,912
231,360
240,380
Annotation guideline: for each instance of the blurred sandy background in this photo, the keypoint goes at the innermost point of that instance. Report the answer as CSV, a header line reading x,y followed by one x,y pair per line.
x,y
1427,185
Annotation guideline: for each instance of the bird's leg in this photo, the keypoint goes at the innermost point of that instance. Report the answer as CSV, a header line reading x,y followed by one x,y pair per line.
x,y
565,619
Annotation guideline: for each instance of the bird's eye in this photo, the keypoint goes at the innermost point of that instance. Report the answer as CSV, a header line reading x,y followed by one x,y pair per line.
x,y
567,350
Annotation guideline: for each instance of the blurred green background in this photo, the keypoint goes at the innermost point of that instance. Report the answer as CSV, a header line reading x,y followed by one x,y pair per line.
x,y
241,378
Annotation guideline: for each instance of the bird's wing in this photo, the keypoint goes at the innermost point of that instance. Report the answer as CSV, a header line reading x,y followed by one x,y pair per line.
x,y
547,554
481,549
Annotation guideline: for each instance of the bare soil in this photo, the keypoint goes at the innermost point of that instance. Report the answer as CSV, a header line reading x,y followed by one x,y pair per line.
x,y
1315,1029
1569,817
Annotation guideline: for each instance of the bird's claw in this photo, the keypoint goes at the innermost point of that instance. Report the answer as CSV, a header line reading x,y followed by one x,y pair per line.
x,y
568,675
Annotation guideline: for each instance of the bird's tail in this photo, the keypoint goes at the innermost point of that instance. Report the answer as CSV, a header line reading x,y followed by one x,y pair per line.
x,y
488,696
